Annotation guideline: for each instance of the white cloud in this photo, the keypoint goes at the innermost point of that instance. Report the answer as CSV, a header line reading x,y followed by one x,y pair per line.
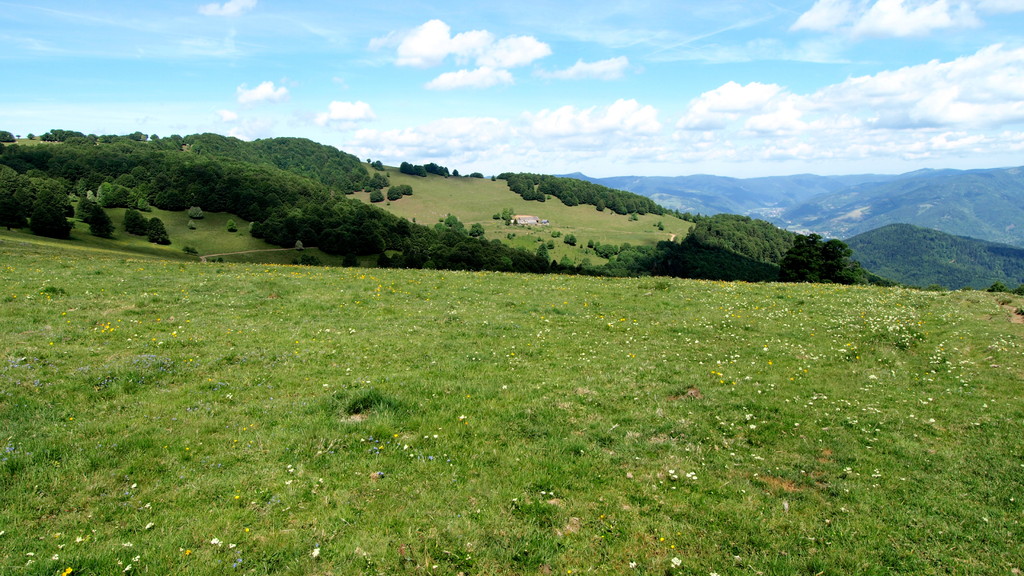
x,y
825,15
908,18
610,69
265,92
431,43
459,139
891,18
968,110
227,116
483,77
512,51
716,108
624,117
917,112
229,8
346,114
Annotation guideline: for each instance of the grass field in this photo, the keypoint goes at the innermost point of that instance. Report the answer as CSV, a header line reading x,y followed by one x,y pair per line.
x,y
172,417
475,200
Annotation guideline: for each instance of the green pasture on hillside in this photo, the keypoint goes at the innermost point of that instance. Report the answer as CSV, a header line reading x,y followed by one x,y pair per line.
x,y
476,200
173,417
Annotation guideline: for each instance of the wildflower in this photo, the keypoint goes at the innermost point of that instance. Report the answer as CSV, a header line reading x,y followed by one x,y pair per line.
x,y
216,542
676,562
315,553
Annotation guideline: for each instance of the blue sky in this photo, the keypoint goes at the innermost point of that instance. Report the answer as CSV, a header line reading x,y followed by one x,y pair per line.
x,y
735,88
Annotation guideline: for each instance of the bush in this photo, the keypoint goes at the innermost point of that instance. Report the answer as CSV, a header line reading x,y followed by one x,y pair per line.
x,y
195,213
156,232
232,227
135,223
307,260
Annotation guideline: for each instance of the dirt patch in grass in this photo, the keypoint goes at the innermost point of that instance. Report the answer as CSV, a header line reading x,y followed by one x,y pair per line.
x,y
1015,316
776,483
690,394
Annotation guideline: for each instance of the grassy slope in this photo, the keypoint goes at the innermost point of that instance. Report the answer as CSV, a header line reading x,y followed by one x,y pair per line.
x,y
210,237
477,200
187,418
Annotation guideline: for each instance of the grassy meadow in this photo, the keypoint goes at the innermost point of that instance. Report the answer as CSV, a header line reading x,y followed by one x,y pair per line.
x,y
476,200
173,417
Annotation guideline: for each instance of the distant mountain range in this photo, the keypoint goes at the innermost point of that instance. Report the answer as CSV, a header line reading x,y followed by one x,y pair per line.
x,y
923,257
983,204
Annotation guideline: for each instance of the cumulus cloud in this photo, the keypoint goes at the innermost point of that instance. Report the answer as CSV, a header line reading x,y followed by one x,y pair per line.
x,y
229,8
825,15
716,108
942,111
459,139
432,43
265,92
889,18
901,18
610,69
625,117
346,114
512,52
912,112
483,77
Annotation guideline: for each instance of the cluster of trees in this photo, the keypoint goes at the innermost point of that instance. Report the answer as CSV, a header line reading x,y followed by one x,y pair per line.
x,y
431,168
812,259
573,192
730,247
756,239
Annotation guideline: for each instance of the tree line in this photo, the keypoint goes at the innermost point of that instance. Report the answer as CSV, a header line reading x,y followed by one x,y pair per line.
x,y
573,192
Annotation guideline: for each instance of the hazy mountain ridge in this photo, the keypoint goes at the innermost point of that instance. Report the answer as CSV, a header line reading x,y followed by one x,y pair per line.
x,y
922,257
987,204
708,194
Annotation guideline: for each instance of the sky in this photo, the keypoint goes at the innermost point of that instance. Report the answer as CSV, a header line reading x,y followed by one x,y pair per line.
x,y
604,87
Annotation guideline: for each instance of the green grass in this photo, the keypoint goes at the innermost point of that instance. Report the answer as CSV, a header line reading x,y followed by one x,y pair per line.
x,y
477,200
187,418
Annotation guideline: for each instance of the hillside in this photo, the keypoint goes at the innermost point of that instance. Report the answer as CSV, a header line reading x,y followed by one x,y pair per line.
x,y
921,257
983,204
181,418
290,192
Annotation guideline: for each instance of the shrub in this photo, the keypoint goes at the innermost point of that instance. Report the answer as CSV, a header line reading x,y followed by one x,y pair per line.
x,y
195,213
156,232
135,223
232,227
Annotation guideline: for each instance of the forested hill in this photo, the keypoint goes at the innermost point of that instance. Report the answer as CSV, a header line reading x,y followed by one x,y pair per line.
x,y
331,167
304,203
922,257
295,191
